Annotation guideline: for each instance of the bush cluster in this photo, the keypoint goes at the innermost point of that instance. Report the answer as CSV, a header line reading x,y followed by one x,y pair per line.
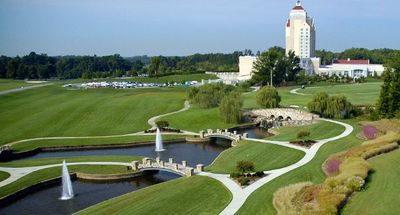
x,y
162,124
346,174
209,95
303,134
331,106
245,166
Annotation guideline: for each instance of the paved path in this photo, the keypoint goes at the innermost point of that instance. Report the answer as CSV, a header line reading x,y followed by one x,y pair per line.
x,y
239,195
141,133
23,88
294,91
152,121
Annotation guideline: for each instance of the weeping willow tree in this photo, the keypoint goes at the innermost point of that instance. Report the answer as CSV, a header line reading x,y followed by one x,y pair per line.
x,y
330,106
268,97
230,107
319,103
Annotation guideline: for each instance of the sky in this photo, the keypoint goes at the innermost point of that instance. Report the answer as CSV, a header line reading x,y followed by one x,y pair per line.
x,y
183,27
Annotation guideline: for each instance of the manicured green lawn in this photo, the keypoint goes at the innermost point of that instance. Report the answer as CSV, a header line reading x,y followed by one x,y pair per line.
x,y
260,202
264,156
26,146
381,195
4,175
366,93
193,195
287,99
8,84
318,131
196,119
54,172
46,161
56,111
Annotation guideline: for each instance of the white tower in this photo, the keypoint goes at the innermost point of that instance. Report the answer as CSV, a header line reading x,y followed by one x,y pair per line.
x,y
300,33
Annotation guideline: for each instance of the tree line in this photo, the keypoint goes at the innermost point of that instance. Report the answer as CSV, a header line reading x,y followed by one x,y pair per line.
x,y
376,56
41,66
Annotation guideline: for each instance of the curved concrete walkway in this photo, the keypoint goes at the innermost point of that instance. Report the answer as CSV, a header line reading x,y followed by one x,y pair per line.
x,y
4,92
294,91
151,122
239,195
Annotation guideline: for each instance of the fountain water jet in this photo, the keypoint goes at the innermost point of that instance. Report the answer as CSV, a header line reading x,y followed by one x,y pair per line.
x,y
67,192
159,144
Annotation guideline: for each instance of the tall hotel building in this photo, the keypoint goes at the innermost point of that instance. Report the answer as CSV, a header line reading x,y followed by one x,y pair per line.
x,y
300,33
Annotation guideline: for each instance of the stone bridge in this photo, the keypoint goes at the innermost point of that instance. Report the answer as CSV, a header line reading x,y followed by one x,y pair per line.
x,y
181,169
222,134
283,114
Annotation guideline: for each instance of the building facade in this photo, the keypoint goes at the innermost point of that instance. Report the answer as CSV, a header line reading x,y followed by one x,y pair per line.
x,y
301,38
300,33
350,68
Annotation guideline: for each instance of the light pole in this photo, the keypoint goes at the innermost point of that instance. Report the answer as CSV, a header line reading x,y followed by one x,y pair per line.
x,y
276,62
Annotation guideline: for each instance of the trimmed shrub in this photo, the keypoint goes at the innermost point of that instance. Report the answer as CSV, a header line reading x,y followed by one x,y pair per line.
x,y
303,134
162,124
234,175
243,181
260,174
245,166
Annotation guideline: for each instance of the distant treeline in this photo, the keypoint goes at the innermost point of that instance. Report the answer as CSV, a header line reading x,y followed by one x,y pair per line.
x,y
376,56
41,66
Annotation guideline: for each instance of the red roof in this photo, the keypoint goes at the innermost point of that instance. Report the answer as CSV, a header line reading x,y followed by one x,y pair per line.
x,y
298,8
349,61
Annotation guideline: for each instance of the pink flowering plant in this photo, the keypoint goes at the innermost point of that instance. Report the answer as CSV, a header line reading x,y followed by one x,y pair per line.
x,y
370,132
332,166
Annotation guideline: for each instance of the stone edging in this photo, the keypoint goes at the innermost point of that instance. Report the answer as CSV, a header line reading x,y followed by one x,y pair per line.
x,y
32,152
6,200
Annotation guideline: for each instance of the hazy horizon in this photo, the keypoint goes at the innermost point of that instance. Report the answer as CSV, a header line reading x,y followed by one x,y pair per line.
x,y
181,28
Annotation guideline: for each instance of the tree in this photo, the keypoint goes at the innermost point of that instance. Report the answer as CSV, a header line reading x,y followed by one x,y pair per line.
x,y
245,166
209,95
389,100
319,103
230,107
330,106
383,106
268,97
283,68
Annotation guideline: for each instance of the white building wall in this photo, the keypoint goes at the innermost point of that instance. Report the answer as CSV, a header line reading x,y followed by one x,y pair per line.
x,y
246,67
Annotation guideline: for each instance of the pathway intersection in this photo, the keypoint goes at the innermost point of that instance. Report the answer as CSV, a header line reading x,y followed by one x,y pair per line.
x,y
239,194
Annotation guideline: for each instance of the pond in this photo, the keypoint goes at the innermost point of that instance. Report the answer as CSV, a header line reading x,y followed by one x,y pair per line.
x,y
46,201
193,153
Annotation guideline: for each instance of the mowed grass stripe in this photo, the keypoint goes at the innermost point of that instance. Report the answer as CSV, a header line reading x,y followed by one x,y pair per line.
x,y
318,131
193,195
264,156
55,111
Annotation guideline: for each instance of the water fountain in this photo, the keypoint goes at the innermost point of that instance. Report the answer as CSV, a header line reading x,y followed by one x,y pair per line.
x,y
67,192
159,144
